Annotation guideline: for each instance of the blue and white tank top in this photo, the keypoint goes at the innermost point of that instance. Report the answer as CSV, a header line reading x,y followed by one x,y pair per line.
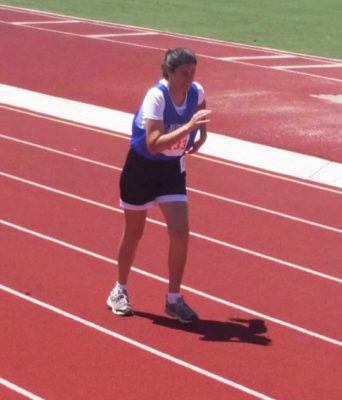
x,y
173,118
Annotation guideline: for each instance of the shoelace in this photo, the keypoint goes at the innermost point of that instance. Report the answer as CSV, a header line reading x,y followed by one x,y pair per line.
x,y
122,301
120,294
184,308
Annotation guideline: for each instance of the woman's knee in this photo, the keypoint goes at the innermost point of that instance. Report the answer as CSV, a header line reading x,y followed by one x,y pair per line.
x,y
132,236
179,230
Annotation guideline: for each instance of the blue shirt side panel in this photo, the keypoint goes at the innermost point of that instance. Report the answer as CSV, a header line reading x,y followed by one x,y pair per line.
x,y
170,118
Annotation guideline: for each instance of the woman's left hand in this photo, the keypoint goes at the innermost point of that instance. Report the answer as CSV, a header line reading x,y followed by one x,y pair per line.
x,y
197,145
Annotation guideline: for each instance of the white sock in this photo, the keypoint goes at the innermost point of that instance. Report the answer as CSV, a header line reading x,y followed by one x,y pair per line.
x,y
173,297
119,287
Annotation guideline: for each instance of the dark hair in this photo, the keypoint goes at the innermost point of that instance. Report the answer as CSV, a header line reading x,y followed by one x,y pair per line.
x,y
175,58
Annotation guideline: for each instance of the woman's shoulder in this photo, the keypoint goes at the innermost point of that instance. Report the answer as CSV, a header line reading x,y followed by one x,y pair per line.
x,y
198,86
153,104
154,93
156,90
200,91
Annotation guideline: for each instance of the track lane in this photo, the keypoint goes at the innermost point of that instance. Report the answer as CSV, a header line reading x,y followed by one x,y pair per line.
x,y
246,280
87,364
293,242
231,354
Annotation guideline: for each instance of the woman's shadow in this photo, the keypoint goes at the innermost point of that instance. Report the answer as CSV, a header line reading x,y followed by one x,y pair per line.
x,y
236,330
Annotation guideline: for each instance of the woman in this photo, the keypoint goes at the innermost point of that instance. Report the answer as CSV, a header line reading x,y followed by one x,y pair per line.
x,y
164,129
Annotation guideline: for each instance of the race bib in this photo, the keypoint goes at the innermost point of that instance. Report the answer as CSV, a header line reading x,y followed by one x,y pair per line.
x,y
178,148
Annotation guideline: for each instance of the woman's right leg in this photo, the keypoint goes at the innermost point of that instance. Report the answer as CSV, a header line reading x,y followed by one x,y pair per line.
x,y
118,300
133,231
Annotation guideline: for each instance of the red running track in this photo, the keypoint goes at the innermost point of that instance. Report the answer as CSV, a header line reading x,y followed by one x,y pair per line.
x,y
239,276
79,285
54,356
71,221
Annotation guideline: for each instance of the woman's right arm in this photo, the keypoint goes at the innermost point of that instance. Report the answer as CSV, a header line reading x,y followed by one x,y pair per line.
x,y
156,138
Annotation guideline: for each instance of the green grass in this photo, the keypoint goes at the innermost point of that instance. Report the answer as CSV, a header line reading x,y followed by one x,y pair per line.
x,y
306,26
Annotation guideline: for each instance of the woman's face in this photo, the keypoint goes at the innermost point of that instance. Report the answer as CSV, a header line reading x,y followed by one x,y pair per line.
x,y
182,77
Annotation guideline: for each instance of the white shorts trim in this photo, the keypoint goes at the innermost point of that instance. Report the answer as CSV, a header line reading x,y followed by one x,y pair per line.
x,y
160,199
171,198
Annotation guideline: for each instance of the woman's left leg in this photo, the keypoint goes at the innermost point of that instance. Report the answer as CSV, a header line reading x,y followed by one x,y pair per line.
x,y
176,216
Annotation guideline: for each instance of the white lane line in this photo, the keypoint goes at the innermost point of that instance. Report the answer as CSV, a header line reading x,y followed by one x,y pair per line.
x,y
268,258
108,35
296,72
271,175
217,145
17,388
137,344
265,57
194,234
93,129
212,160
165,281
65,21
331,98
266,210
190,189
332,65
62,153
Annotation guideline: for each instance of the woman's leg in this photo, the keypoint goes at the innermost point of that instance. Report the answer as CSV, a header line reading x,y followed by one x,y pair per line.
x,y
176,216
118,300
133,231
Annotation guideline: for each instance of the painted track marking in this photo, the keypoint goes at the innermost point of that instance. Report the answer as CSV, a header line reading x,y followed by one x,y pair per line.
x,y
65,21
332,65
270,57
17,388
122,34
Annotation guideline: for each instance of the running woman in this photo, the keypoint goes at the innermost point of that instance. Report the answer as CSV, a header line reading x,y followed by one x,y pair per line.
x,y
164,129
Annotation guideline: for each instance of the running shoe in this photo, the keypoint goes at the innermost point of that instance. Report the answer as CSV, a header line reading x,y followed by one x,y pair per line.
x,y
119,303
181,311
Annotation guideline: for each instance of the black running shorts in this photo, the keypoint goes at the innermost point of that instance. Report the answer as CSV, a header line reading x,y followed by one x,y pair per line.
x,y
144,182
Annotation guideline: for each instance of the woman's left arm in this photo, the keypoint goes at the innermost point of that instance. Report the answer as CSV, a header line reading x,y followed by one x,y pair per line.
x,y
203,132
